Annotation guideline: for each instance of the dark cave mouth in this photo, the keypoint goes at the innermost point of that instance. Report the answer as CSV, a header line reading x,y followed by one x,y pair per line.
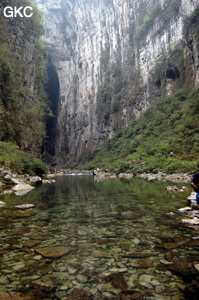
x,y
53,92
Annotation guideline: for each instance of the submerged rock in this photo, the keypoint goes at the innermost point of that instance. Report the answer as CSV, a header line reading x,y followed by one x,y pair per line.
x,y
24,206
9,295
100,254
137,255
117,280
53,252
183,267
78,294
25,213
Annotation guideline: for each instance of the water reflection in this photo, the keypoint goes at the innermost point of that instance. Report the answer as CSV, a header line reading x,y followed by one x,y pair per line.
x,y
114,231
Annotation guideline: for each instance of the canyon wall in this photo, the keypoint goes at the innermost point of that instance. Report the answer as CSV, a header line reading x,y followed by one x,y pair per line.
x,y
22,78
112,59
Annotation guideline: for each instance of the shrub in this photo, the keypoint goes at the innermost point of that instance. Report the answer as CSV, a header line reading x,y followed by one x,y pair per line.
x,y
15,159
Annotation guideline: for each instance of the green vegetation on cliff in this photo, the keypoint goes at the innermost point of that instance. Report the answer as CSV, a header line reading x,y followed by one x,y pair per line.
x,y
169,125
12,157
23,76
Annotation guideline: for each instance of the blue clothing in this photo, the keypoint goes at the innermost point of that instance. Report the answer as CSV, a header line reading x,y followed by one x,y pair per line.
x,y
197,198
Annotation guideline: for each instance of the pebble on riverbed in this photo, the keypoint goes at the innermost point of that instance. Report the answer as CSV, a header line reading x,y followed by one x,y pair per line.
x,y
24,206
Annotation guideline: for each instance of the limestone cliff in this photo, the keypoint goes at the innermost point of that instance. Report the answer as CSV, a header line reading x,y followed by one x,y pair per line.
x,y
112,58
22,78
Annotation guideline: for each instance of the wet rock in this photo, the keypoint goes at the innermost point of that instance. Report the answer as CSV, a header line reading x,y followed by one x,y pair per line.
x,y
31,278
53,252
37,237
34,179
7,177
19,266
169,246
7,192
24,214
9,295
145,263
81,278
165,262
31,243
184,209
192,197
48,181
131,295
4,280
22,186
118,270
72,270
15,180
2,203
197,267
182,267
132,280
78,294
24,206
38,257
194,221
117,280
46,286
63,288
146,280
125,175
172,188
137,255
101,254
12,241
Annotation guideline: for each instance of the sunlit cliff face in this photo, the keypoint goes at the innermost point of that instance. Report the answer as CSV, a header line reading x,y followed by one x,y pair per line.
x,y
94,44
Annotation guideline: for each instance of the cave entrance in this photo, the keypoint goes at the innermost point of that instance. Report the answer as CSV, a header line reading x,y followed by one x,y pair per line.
x,y
53,91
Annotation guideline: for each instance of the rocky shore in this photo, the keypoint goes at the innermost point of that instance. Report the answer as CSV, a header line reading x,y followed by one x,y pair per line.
x,y
20,185
176,177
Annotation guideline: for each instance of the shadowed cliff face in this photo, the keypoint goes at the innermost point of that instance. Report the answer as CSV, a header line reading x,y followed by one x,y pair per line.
x,y
106,54
53,91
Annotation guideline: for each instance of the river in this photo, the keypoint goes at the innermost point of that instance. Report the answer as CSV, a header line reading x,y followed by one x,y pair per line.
x,y
108,239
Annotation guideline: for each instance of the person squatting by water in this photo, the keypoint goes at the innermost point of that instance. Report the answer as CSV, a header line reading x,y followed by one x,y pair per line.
x,y
195,184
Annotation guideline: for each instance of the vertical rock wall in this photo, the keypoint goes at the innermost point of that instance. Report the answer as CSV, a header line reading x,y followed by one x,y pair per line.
x,y
103,48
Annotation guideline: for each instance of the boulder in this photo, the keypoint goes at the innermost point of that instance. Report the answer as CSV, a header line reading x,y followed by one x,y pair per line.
x,y
22,187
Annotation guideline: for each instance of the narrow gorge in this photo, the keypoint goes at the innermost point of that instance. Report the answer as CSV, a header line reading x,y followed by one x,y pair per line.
x,y
112,59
